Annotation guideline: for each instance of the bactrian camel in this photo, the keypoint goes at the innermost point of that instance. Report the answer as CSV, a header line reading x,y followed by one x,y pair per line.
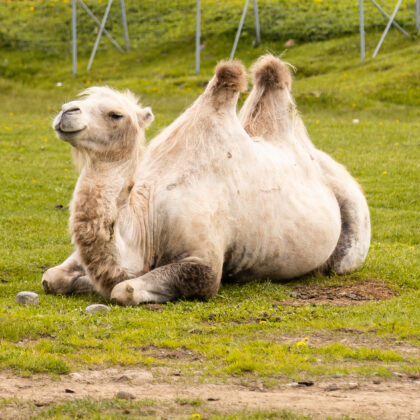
x,y
202,202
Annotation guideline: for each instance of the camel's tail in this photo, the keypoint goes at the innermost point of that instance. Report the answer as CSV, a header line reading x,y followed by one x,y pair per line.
x,y
269,72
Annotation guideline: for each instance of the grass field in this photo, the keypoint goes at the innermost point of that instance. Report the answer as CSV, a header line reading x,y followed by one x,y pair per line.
x,y
254,332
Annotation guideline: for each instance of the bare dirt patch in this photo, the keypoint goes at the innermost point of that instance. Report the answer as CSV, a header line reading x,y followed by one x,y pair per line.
x,y
171,354
340,295
327,397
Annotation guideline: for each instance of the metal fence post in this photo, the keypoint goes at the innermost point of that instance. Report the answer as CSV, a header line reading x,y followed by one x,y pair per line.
x,y
101,29
95,19
385,14
124,22
362,31
418,14
387,29
198,38
238,32
257,22
74,36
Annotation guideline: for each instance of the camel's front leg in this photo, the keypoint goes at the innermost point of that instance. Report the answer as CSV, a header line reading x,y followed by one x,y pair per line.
x,y
67,278
169,282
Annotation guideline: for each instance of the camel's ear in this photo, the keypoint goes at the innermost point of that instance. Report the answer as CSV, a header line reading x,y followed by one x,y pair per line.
x,y
145,116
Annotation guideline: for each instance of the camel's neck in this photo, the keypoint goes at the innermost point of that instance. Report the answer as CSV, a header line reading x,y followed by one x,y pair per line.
x,y
100,192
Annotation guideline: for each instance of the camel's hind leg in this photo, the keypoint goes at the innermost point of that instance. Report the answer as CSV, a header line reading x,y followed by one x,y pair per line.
x,y
67,278
269,113
353,244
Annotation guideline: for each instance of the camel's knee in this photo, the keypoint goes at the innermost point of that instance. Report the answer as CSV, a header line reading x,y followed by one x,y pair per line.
x,y
55,280
65,280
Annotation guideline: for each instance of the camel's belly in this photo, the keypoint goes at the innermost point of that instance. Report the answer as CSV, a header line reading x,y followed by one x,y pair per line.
x,y
284,236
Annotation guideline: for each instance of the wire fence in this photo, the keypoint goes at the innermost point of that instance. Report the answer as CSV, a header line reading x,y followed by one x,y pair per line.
x,y
44,26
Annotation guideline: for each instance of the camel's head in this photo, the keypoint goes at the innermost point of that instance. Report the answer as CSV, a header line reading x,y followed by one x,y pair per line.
x,y
104,121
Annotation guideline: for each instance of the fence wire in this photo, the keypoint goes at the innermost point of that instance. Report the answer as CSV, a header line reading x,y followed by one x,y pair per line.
x,y
45,25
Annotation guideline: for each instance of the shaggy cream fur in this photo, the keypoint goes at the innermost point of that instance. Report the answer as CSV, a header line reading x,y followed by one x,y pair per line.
x,y
270,113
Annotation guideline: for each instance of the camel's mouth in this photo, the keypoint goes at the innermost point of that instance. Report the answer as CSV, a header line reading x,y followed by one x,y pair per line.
x,y
68,136
59,130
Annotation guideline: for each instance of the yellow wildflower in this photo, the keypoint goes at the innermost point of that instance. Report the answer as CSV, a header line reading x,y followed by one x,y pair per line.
x,y
196,416
300,344
263,322
317,122
384,172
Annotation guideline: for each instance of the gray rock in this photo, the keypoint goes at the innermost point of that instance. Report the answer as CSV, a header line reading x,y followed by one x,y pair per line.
x,y
124,395
76,376
352,385
293,384
27,298
97,308
332,387
136,377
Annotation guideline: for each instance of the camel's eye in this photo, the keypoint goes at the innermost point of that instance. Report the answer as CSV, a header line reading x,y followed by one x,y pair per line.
x,y
115,116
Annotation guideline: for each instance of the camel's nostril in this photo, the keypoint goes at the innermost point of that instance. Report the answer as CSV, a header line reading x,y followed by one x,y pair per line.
x,y
73,110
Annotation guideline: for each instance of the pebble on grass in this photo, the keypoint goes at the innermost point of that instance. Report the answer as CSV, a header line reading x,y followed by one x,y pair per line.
x,y
124,395
27,298
97,308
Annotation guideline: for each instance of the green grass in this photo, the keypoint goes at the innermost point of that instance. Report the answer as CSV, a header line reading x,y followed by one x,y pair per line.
x,y
121,409
239,333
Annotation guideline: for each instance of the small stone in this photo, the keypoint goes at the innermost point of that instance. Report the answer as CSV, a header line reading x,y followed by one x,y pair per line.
x,y
69,391
289,43
124,395
293,384
97,307
27,298
355,121
136,377
352,385
305,383
332,387
76,376
376,381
